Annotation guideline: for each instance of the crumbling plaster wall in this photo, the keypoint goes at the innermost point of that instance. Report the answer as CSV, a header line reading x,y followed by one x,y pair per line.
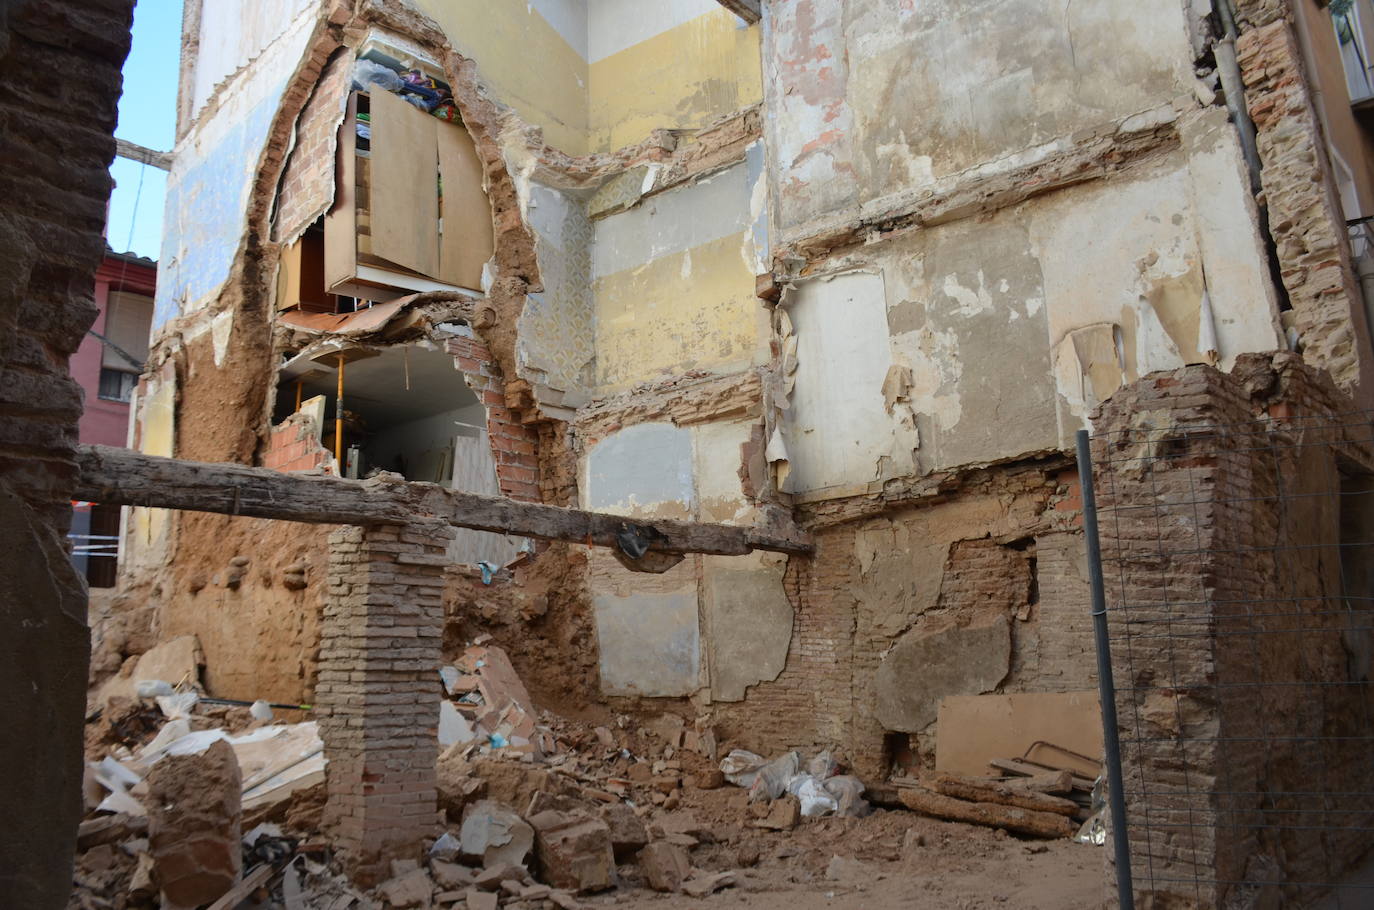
x,y
55,186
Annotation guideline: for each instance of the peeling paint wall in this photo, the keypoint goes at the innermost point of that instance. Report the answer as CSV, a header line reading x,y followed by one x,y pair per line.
x,y
712,624
532,56
213,167
675,64
673,280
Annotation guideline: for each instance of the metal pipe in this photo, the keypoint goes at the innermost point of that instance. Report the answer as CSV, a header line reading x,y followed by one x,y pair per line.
x,y
1106,685
1233,87
338,419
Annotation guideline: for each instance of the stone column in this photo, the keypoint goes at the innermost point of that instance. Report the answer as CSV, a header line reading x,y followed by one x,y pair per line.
x,y
379,689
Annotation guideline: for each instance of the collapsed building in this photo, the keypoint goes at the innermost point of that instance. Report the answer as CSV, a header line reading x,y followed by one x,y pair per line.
x,y
847,275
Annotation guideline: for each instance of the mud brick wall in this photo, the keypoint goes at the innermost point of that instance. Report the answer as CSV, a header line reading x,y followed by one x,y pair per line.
x,y
914,572
378,691
1305,217
1238,708
514,444
59,83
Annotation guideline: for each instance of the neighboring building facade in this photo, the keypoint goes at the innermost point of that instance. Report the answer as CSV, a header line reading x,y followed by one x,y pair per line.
x,y
107,366
870,263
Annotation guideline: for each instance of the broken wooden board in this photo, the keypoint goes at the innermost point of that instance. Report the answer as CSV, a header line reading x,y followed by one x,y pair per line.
x,y
1012,818
975,729
124,477
991,791
1030,770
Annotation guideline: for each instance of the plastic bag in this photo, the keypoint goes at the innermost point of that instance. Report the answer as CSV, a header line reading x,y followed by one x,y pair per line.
x,y
741,767
771,780
260,710
822,766
367,73
848,792
815,800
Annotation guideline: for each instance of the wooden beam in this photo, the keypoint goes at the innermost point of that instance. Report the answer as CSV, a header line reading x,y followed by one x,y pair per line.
x,y
748,10
124,477
135,152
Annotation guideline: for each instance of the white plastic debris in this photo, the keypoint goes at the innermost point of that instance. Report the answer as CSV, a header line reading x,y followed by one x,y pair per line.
x,y
178,704
260,710
815,800
152,688
771,780
453,726
740,767
450,677
446,848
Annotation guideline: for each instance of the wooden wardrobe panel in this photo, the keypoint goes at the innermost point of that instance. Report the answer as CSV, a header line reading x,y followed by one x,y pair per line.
x,y
404,192
467,238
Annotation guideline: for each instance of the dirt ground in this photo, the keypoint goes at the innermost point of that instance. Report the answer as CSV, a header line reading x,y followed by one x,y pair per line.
x,y
891,859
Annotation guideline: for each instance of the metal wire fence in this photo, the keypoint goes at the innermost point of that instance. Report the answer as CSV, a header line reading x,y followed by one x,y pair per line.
x,y
1238,570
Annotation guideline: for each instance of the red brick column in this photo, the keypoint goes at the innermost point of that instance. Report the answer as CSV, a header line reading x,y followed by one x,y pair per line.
x,y
378,691
512,443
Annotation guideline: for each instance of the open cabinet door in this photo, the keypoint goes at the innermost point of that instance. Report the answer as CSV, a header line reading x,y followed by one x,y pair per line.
x,y
341,221
466,240
405,184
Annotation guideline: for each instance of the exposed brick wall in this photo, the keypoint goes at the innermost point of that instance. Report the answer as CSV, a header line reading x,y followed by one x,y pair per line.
x,y
59,84
378,692
307,187
1305,217
514,444
294,445
826,695
1225,603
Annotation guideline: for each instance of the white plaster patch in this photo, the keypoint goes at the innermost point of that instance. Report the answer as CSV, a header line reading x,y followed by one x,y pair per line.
x,y
220,327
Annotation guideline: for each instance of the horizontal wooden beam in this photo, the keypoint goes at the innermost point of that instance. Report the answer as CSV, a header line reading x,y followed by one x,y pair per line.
x,y
748,10
135,152
125,477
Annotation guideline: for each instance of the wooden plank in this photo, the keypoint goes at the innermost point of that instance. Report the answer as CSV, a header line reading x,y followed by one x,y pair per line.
x,y
748,10
990,791
251,882
466,240
1030,769
404,185
974,729
125,477
142,154
1021,821
341,221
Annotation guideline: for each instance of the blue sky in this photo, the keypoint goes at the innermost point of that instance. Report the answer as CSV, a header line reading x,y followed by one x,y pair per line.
x,y
147,116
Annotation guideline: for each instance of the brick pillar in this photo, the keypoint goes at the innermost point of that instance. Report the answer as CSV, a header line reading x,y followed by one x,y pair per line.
x,y
378,692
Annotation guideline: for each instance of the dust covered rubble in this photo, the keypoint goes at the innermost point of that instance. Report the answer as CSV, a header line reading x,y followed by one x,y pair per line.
x,y
536,811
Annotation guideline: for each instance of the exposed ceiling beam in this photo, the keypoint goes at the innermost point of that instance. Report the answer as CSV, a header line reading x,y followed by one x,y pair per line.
x,y
135,152
124,477
748,10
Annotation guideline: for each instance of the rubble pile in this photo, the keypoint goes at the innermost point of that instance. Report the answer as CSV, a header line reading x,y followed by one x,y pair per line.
x,y
192,804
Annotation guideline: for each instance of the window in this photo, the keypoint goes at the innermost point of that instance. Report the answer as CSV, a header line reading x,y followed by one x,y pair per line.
x,y
117,385
1345,16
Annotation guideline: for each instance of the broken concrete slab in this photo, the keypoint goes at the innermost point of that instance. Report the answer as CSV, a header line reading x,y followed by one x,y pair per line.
x,y
194,815
701,884
928,664
493,834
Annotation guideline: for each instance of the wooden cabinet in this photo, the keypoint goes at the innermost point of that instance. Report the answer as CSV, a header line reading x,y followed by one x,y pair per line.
x,y
410,214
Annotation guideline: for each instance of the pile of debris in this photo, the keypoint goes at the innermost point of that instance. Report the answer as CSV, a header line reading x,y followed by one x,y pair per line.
x,y
537,811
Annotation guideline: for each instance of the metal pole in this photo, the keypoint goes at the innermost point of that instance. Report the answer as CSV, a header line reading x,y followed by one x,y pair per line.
x,y
338,420
1106,686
